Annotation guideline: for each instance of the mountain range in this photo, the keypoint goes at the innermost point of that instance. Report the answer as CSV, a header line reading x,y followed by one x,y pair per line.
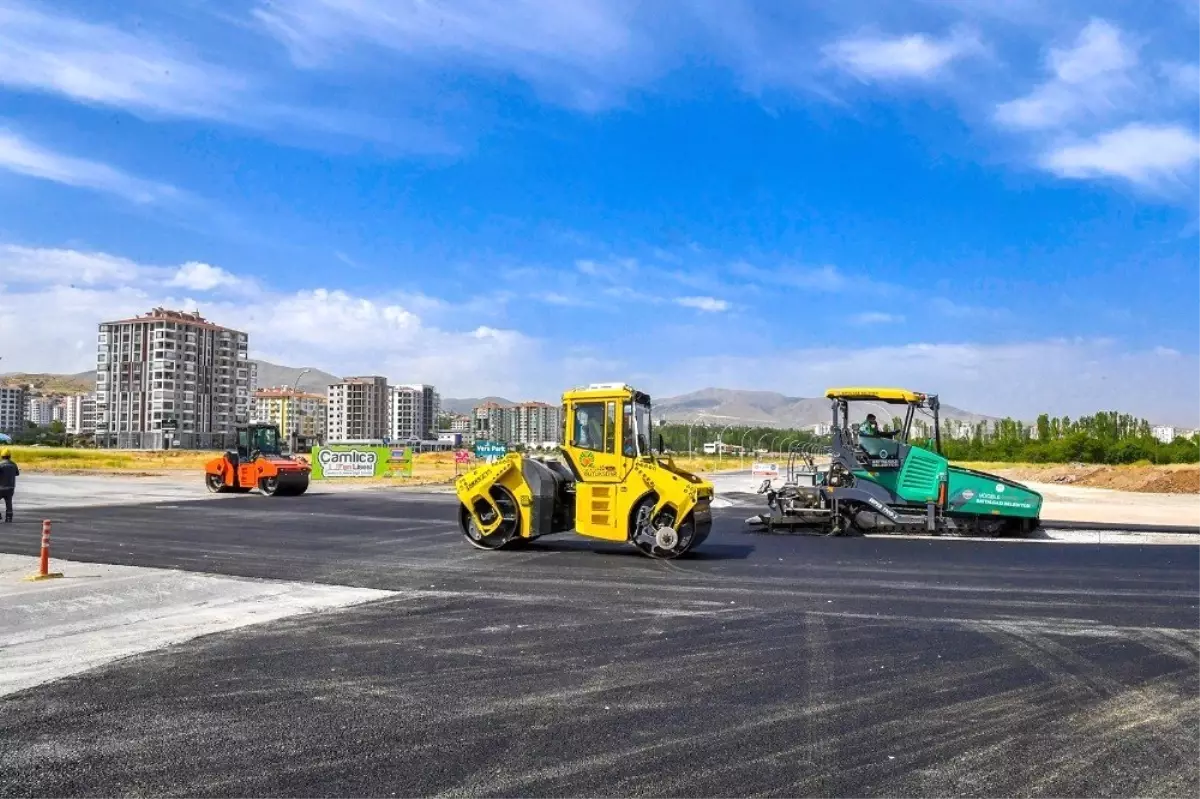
x,y
722,406
717,406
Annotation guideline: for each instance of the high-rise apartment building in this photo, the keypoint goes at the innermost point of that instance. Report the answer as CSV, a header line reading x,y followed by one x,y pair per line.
x,y
537,423
12,409
80,414
414,412
40,410
528,423
301,416
489,422
170,376
358,409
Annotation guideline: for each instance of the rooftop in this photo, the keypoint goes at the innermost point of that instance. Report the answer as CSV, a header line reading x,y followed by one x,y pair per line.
x,y
160,314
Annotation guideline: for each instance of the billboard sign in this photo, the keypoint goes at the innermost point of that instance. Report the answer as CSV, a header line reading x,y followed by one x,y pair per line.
x,y
765,470
490,449
462,456
357,460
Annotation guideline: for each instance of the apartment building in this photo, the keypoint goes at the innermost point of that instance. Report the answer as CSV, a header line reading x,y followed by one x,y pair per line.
x,y
358,409
80,414
301,416
537,423
170,379
1165,433
13,400
414,412
41,410
528,423
488,422
458,423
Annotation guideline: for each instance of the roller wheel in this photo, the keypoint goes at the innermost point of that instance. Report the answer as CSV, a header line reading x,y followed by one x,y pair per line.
x,y
506,533
269,486
214,483
657,538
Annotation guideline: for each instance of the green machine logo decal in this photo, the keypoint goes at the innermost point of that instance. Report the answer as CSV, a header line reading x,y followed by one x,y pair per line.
x,y
586,459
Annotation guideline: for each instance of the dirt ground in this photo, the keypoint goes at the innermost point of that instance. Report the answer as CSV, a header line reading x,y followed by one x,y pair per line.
x,y
1181,478
1135,494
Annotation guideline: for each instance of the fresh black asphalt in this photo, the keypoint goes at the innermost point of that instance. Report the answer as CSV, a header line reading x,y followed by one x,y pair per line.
x,y
773,665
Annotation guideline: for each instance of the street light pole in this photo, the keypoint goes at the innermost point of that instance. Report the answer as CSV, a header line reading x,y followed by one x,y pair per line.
x,y
694,422
721,442
761,438
295,431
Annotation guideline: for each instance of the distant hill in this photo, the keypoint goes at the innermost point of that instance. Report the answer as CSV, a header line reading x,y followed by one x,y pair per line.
x,y
52,383
271,375
715,405
465,406
768,408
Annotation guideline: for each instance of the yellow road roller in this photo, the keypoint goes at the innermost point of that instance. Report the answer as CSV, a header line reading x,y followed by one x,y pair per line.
x,y
606,483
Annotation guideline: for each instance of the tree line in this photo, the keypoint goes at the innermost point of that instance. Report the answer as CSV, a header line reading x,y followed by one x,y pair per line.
x,y
52,435
1105,437
772,439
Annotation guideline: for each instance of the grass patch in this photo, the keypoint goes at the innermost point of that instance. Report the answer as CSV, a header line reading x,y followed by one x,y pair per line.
x,y
69,459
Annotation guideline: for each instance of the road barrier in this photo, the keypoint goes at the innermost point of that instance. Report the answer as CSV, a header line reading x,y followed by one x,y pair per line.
x,y
44,572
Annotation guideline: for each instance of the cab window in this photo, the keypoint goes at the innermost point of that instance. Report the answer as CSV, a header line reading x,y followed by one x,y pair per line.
x,y
627,443
610,429
588,432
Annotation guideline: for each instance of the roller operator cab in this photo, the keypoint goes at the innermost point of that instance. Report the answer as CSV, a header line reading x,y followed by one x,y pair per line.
x,y
257,462
608,483
882,480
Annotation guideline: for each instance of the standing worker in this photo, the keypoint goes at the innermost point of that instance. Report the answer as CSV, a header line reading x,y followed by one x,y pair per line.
x,y
8,481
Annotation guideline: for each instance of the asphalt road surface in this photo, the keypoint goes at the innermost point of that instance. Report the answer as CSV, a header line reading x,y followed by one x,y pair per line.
x,y
757,665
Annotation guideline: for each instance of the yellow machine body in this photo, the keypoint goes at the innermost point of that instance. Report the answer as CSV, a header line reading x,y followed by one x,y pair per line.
x,y
608,483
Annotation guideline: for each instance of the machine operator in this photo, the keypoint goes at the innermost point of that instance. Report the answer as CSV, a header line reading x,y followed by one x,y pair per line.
x,y
871,428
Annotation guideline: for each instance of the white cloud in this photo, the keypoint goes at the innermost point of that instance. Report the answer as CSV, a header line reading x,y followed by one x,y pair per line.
x,y
1183,78
917,55
23,157
155,78
876,318
65,267
558,298
821,278
1145,155
583,52
707,304
331,329
1090,80
1023,378
200,276
102,65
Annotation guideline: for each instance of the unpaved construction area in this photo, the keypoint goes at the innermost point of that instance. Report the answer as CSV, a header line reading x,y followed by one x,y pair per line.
x,y
1173,479
392,658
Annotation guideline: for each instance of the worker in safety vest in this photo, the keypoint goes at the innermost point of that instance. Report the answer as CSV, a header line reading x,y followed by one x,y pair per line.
x,y
8,481
870,427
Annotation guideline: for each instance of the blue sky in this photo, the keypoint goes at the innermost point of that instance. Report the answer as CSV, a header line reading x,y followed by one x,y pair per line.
x,y
992,200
